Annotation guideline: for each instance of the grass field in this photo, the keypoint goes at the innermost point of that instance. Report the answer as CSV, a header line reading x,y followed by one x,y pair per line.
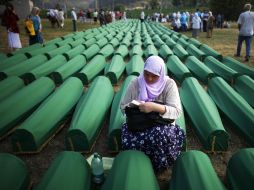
x,y
223,40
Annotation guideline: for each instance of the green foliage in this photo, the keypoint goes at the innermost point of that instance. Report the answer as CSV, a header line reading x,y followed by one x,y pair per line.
x,y
4,2
119,7
154,4
230,8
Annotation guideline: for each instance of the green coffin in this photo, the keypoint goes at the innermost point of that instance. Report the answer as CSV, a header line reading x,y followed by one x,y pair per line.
x,y
240,173
107,51
194,170
210,52
74,52
26,49
127,42
147,42
177,68
199,69
102,42
69,170
194,42
131,170
158,42
58,51
13,60
91,51
77,42
165,51
92,69
220,69
89,115
9,86
68,69
14,174
204,115
115,69
44,122
53,41
193,50
117,118
41,51
236,109
175,37
239,67
109,37
150,50
170,42
24,66
14,108
114,42
122,50
44,69
64,42
180,52
89,42
244,85
136,50
181,123
135,66
182,42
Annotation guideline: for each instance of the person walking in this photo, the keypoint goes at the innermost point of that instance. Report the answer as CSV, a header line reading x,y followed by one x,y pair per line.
x,y
10,20
209,25
245,26
74,19
196,24
37,38
61,17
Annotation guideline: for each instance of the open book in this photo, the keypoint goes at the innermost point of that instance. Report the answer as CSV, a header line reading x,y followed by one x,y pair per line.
x,y
134,103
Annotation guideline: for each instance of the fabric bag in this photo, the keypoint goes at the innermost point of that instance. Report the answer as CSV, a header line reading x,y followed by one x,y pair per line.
x,y
139,121
29,27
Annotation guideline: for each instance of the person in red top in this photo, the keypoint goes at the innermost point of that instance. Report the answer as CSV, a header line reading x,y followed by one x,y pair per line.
x,y
10,19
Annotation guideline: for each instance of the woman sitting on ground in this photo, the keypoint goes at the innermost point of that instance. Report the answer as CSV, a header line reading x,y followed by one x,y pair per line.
x,y
162,143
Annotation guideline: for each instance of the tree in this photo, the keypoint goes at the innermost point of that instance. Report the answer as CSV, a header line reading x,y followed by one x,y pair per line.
x,y
154,4
4,2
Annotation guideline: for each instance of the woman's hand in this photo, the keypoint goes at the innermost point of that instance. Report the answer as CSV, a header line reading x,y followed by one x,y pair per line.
x,y
148,107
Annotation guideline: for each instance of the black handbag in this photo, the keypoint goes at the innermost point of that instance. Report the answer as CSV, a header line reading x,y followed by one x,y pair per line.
x,y
139,121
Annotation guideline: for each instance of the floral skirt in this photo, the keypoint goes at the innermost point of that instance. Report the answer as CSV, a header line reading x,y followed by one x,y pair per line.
x,y
163,144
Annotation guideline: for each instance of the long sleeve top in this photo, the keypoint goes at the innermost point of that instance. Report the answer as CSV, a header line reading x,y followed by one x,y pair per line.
x,y
169,97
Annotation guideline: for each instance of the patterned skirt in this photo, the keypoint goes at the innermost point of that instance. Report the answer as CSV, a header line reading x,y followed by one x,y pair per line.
x,y
163,144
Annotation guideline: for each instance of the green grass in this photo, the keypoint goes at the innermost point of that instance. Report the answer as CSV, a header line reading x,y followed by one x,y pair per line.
x,y
224,40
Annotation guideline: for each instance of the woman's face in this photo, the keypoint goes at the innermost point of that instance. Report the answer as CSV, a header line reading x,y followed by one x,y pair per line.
x,y
150,78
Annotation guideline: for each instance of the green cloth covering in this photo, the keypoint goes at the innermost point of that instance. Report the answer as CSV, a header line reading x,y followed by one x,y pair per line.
x,y
47,118
194,170
150,50
40,51
53,41
170,42
27,49
92,69
220,69
26,98
177,68
69,170
64,42
131,170
14,174
9,86
158,42
89,42
135,66
180,52
68,69
74,52
24,66
107,50
58,51
89,115
240,173
193,50
210,52
91,51
244,85
239,67
204,115
127,41
115,69
13,60
102,42
114,42
181,123
148,41
122,50
116,117
136,50
175,37
77,42
182,42
194,42
236,109
44,69
165,51
199,69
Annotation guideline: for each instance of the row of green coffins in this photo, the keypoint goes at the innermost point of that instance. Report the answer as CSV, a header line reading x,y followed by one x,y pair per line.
x,y
131,170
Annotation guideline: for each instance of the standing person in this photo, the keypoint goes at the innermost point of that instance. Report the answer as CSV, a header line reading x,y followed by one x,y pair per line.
x,y
163,142
142,16
209,27
245,26
61,17
196,24
10,19
95,15
74,19
37,38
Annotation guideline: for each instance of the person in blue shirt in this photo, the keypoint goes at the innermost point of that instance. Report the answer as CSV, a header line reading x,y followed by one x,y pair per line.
x,y
37,38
